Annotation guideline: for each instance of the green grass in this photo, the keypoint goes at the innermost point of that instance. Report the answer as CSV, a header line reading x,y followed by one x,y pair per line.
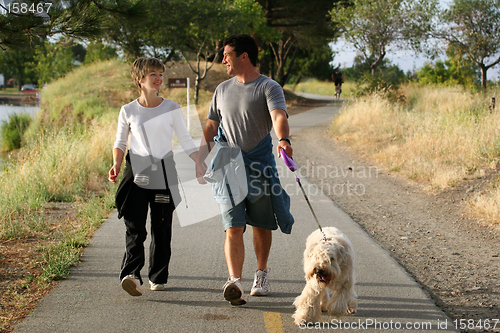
x,y
59,257
10,91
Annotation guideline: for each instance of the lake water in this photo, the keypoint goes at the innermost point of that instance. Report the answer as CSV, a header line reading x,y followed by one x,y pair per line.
x,y
6,110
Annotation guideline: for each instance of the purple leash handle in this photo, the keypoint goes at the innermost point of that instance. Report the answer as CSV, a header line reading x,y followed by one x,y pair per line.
x,y
290,163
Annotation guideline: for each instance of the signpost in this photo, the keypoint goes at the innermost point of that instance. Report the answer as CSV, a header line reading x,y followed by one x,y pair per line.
x,y
182,83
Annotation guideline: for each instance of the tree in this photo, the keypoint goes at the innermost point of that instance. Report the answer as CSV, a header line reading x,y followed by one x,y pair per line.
x,y
453,71
433,73
24,23
300,26
474,29
197,28
314,64
130,36
196,35
16,64
53,60
374,27
98,51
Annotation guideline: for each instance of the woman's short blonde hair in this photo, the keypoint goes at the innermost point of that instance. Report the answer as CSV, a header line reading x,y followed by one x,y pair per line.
x,y
144,65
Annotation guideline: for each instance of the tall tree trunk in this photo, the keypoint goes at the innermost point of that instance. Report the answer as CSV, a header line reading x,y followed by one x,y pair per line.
x,y
484,77
219,52
196,88
199,75
271,67
264,64
297,82
284,79
20,71
281,51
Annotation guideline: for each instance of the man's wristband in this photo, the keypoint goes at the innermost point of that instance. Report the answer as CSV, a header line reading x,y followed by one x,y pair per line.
x,y
287,140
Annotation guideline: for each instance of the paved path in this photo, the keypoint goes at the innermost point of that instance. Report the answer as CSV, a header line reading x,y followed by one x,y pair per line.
x,y
91,299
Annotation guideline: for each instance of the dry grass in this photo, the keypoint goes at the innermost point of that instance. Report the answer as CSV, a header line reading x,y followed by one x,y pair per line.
x,y
439,137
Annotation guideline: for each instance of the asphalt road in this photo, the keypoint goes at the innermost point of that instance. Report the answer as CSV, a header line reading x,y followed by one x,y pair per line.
x,y
91,299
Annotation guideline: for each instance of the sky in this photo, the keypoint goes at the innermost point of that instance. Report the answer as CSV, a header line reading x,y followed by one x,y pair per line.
x,y
406,60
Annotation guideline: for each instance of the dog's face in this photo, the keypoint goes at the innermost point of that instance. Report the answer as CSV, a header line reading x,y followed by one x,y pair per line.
x,y
324,261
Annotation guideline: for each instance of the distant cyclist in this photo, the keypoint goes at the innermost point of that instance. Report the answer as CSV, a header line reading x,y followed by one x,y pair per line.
x,y
338,79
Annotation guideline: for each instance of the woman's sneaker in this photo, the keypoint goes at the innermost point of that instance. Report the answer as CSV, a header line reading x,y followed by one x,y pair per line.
x,y
132,285
233,292
261,285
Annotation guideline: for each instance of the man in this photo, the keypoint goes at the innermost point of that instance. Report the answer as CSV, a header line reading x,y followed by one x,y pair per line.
x,y
338,79
243,111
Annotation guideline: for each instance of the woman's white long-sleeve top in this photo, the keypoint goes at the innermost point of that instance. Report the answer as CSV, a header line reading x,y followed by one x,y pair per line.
x,y
153,127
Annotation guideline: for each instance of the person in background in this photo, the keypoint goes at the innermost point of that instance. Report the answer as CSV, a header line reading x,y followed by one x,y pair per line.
x,y
338,79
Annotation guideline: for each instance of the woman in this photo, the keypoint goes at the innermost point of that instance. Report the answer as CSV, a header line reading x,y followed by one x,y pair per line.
x,y
151,122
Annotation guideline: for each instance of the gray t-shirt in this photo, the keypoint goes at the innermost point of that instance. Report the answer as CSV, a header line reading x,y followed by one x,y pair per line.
x,y
243,109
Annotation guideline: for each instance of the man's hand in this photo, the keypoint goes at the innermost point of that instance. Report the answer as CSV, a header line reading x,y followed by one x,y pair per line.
x,y
283,145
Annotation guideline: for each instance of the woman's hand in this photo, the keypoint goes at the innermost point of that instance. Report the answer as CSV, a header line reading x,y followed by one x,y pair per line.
x,y
113,173
201,168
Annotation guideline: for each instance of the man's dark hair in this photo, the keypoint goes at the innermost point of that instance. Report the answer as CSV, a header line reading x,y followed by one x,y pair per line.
x,y
244,43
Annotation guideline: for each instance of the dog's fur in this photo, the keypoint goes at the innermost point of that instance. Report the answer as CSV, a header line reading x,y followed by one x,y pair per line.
x,y
329,268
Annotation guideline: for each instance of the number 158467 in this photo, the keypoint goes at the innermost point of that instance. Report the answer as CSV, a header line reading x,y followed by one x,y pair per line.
x,y
24,8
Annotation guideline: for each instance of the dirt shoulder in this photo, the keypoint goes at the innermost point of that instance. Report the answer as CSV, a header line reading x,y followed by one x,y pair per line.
x,y
454,257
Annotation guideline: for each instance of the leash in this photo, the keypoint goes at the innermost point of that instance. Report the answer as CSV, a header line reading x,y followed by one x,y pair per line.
x,y
290,163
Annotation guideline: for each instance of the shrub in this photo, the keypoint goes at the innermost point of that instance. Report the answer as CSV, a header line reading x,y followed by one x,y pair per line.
x,y
13,129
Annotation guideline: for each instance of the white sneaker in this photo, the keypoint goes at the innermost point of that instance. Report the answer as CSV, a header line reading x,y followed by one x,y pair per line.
x,y
261,285
131,285
233,292
156,286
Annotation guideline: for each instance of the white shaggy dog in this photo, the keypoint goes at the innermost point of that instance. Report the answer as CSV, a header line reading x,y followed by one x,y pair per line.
x,y
329,268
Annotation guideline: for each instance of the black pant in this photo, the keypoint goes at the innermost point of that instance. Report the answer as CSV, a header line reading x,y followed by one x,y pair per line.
x,y
161,236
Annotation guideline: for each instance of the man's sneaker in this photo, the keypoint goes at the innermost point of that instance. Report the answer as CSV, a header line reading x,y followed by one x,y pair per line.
x,y
261,283
131,285
156,286
233,292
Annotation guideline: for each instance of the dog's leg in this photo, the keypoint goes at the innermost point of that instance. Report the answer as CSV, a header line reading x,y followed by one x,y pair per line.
x,y
325,296
308,308
343,300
